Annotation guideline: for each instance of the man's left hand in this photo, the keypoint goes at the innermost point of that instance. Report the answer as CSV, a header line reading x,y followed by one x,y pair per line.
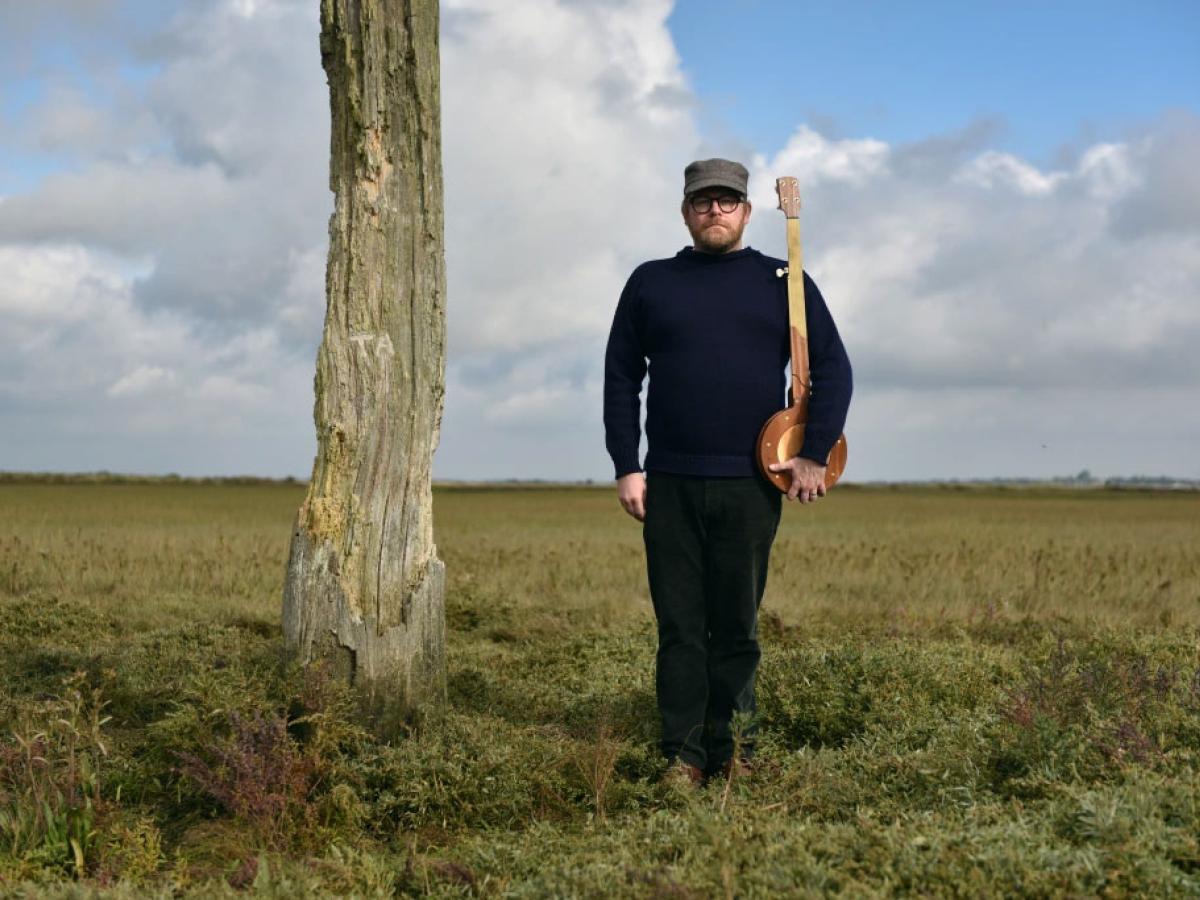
x,y
808,478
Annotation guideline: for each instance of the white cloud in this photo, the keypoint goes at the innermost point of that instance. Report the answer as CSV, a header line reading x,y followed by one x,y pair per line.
x,y
50,287
853,162
142,380
1108,171
992,170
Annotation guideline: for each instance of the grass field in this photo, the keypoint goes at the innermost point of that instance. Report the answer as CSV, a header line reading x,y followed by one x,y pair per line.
x,y
963,693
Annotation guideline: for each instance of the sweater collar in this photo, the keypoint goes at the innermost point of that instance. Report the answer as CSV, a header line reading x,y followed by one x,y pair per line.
x,y
689,254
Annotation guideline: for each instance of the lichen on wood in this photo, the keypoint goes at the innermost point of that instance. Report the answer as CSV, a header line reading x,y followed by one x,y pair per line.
x,y
364,585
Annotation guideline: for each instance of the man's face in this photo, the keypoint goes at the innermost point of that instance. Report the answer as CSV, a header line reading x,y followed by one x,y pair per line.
x,y
716,230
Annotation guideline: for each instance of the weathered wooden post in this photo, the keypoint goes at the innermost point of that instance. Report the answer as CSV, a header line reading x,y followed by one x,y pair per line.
x,y
364,586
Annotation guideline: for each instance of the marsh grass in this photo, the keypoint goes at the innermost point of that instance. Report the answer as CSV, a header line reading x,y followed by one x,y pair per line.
x,y
963,693
50,777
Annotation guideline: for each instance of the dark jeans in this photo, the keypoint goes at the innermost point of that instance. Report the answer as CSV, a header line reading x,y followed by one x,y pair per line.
x,y
707,545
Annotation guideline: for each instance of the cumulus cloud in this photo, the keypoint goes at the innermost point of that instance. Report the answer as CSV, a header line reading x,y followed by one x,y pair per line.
x,y
164,287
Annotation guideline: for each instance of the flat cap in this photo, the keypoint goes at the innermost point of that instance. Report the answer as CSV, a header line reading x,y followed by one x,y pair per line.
x,y
707,173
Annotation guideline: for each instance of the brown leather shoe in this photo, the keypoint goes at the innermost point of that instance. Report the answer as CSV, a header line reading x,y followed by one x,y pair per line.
x,y
683,775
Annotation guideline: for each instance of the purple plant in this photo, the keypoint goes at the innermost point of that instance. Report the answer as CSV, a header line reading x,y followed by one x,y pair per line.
x,y
260,776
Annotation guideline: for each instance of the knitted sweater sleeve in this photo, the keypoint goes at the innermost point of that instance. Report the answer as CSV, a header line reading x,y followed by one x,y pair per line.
x,y
832,379
624,371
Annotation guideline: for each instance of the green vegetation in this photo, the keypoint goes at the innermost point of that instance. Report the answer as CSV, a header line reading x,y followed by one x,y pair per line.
x,y
964,693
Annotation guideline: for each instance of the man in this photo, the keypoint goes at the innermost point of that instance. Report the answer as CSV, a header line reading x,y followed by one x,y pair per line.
x,y
710,327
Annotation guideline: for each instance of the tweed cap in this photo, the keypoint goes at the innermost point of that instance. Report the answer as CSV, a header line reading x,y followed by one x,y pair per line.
x,y
707,173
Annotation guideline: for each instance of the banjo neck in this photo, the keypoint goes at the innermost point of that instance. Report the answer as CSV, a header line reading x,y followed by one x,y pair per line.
x,y
782,437
788,190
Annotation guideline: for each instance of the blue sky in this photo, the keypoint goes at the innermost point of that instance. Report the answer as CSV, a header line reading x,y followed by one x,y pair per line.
x,y
1002,208
1050,75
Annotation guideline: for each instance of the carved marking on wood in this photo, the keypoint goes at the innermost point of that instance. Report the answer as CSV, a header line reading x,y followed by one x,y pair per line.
x,y
384,348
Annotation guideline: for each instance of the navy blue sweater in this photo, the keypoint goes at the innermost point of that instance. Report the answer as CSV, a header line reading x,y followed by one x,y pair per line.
x,y
712,331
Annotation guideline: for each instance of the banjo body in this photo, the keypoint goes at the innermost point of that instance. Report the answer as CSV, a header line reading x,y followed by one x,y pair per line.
x,y
783,434
781,439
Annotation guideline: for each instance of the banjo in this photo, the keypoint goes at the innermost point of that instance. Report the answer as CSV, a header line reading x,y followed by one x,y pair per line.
x,y
783,435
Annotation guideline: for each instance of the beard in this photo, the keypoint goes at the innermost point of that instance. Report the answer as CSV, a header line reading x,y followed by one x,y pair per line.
x,y
717,238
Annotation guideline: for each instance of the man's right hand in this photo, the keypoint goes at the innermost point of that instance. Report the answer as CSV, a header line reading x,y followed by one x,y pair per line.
x,y
631,491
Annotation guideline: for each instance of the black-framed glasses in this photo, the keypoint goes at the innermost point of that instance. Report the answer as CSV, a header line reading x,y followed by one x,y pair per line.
x,y
727,203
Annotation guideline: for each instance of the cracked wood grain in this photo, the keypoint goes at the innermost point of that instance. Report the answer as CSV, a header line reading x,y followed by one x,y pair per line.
x,y
364,585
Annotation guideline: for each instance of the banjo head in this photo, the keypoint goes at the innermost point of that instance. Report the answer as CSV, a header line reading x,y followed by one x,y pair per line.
x,y
781,439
